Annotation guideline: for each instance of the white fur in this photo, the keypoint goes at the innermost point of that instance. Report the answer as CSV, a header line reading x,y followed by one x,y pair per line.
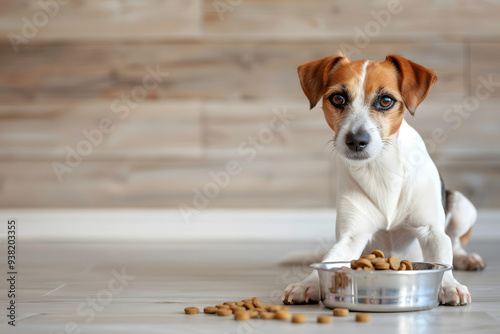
x,y
390,202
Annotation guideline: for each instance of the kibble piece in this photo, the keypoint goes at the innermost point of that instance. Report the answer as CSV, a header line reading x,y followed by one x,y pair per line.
x,y
224,312
299,318
378,253
191,310
325,319
340,312
284,308
394,262
364,263
229,303
363,317
282,315
359,268
240,303
242,316
210,309
378,259
257,303
273,308
253,313
369,256
402,266
267,315
249,306
382,266
368,268
408,264
222,306
354,264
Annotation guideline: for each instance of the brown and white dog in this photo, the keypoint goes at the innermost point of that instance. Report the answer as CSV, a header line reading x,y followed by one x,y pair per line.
x,y
390,194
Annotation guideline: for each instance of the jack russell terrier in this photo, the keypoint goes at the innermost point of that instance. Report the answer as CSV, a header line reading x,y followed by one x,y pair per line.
x,y
390,194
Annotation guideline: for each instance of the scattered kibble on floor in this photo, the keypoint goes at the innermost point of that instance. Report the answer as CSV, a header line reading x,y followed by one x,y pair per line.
x,y
247,309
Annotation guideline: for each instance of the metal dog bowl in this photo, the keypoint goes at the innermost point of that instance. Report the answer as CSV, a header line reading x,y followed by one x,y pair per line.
x,y
380,290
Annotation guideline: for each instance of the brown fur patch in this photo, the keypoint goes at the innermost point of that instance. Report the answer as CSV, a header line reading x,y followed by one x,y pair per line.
x,y
346,75
464,239
382,77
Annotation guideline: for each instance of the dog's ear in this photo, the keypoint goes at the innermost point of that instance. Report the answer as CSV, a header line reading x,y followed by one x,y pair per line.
x,y
416,81
313,77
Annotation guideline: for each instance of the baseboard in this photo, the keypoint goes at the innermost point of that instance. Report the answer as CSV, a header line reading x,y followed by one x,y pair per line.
x,y
145,225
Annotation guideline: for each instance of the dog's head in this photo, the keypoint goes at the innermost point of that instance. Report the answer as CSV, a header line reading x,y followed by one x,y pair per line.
x,y
365,101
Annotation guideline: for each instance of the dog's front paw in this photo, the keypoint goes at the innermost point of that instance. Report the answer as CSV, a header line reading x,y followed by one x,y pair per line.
x,y
454,295
468,262
306,292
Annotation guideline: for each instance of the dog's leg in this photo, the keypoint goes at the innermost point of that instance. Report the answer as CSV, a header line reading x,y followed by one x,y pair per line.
x,y
462,216
347,247
436,247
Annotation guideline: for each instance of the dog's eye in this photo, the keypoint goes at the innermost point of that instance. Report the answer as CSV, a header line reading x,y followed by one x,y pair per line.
x,y
338,100
385,102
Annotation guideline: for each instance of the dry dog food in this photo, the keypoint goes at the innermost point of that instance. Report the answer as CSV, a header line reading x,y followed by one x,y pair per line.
x,y
267,315
324,319
210,309
224,312
282,315
408,264
340,312
394,262
257,303
241,315
382,266
249,308
377,261
253,308
362,317
191,310
253,314
299,318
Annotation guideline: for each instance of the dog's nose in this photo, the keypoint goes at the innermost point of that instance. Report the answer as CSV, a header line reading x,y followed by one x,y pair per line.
x,y
357,141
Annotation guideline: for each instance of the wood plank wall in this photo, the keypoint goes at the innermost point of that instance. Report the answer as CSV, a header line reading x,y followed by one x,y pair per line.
x,y
224,71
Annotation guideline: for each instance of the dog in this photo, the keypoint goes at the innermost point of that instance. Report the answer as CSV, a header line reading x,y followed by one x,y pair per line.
x,y
390,194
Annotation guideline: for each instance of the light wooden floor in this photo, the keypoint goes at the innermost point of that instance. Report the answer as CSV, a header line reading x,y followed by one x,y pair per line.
x,y
61,284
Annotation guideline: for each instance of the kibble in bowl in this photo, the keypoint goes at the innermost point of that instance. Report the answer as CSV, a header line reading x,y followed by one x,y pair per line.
x,y
371,284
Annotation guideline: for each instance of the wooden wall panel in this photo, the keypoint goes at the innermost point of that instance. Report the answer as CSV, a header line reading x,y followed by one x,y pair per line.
x,y
136,20
110,20
485,67
132,184
152,130
194,70
454,131
348,19
270,129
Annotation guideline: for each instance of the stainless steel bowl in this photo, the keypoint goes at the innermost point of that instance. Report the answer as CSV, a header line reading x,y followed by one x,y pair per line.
x,y
380,290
